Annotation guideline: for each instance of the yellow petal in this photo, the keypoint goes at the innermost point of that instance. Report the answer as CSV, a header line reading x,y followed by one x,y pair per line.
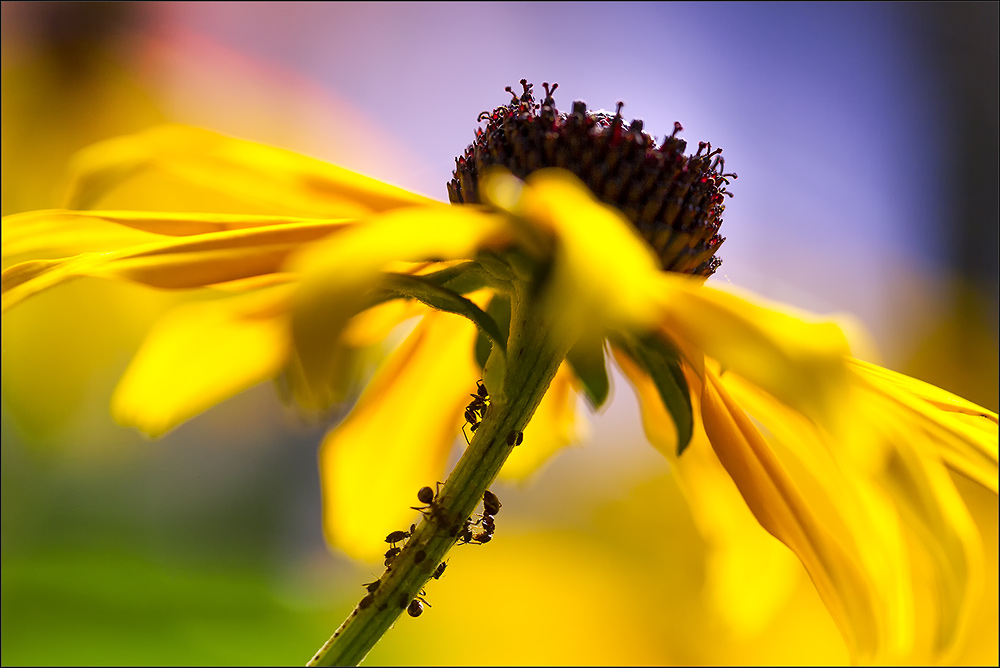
x,y
57,233
201,354
898,514
365,343
184,262
255,282
61,232
601,276
275,178
965,434
553,426
942,534
373,325
437,232
338,277
396,439
749,574
780,506
793,356
879,513
932,394
852,506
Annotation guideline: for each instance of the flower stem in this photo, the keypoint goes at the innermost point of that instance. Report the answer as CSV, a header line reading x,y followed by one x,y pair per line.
x,y
533,358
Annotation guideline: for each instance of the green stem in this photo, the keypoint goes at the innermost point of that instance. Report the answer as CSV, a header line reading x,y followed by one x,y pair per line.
x,y
532,360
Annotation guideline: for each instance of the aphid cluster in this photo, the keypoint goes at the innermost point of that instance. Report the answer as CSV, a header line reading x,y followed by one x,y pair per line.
x,y
476,409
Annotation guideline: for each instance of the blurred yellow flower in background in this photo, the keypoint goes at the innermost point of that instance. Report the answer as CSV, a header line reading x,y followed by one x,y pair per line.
x,y
757,408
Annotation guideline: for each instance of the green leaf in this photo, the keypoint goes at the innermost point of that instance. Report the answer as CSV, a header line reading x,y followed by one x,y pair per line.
x,y
659,359
442,299
499,310
586,358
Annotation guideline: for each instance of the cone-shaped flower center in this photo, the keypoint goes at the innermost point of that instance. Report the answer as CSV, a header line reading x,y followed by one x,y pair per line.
x,y
674,200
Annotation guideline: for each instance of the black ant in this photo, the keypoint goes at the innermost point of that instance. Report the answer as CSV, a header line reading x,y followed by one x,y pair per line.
x,y
416,607
486,535
491,504
427,496
476,409
489,527
398,536
481,390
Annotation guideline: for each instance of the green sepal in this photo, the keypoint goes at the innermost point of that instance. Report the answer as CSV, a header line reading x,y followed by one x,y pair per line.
x,y
461,278
499,310
660,360
586,358
442,299
494,265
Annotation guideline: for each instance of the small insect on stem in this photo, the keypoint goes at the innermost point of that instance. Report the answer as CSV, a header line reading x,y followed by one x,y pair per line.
x,y
476,409
416,607
465,533
439,571
491,504
399,536
392,553
515,438
430,509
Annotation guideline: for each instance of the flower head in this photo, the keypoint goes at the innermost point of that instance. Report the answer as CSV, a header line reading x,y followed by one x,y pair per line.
x,y
674,200
757,407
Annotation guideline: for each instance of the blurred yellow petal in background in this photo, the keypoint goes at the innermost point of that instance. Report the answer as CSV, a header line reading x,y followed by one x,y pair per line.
x,y
556,424
200,354
397,438
273,178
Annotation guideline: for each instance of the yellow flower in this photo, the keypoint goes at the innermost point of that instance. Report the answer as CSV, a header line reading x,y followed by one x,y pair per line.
x,y
757,407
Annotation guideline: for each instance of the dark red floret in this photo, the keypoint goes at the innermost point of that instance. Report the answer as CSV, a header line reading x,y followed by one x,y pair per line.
x,y
674,200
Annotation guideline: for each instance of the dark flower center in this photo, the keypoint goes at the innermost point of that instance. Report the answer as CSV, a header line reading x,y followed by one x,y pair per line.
x,y
674,200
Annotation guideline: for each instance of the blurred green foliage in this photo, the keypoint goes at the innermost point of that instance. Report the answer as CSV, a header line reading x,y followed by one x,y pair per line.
x,y
114,604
